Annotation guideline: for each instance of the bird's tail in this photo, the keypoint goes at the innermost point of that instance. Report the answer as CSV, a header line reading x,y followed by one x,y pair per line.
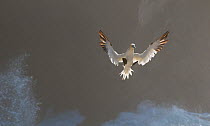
x,y
126,72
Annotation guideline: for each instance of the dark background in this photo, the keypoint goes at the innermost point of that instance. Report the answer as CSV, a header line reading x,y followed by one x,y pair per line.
x,y
73,72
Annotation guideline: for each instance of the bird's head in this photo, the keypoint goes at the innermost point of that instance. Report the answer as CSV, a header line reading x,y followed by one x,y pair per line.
x,y
133,45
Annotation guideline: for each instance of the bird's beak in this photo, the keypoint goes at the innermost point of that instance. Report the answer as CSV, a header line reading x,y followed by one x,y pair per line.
x,y
134,46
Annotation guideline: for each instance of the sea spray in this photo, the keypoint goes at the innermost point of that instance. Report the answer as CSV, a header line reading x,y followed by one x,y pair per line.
x,y
18,106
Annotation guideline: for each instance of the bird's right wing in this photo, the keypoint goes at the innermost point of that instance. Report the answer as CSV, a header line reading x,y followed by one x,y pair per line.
x,y
107,46
150,52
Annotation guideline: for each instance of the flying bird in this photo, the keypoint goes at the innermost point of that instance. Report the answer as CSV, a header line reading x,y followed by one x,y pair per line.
x,y
130,58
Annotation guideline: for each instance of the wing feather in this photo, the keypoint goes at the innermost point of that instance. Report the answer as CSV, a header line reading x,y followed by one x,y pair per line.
x,y
150,52
114,57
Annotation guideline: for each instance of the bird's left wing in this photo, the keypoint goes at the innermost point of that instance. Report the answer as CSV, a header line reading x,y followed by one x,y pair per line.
x,y
107,46
153,48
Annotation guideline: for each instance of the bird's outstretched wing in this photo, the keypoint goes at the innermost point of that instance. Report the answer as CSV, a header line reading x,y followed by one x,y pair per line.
x,y
107,46
153,48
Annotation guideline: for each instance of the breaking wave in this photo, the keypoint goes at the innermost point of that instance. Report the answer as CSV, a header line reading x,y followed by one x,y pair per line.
x,y
148,114
18,107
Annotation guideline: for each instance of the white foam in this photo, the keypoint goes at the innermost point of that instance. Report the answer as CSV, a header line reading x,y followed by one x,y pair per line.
x,y
148,114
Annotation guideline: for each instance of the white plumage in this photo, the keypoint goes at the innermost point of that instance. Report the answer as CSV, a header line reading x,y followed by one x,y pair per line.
x,y
129,58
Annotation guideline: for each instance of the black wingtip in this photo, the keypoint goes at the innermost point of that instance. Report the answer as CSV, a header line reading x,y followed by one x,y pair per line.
x,y
164,36
100,31
103,39
102,36
163,41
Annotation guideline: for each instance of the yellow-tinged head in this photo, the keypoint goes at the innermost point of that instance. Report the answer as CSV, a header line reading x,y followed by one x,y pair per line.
x,y
133,45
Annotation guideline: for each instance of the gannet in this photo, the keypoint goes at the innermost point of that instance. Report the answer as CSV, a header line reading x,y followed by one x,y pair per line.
x,y
130,58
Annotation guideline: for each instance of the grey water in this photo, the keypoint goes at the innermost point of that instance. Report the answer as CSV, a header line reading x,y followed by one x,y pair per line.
x,y
72,74
68,118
